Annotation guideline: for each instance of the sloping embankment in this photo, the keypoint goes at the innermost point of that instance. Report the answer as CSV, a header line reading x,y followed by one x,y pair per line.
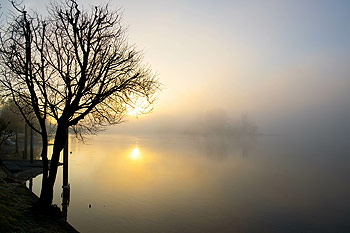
x,y
17,214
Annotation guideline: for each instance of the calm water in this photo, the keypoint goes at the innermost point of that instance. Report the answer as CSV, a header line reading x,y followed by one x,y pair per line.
x,y
208,184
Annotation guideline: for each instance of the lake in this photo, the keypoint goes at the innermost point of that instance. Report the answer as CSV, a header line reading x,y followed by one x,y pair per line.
x,y
173,183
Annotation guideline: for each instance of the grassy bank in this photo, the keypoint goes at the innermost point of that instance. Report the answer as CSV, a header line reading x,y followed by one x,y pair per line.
x,y
18,215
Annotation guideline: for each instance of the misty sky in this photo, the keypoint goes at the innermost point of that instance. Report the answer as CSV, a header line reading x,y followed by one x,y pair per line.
x,y
284,63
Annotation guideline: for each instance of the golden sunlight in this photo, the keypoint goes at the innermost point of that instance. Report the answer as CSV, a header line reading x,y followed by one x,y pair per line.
x,y
135,111
138,106
135,154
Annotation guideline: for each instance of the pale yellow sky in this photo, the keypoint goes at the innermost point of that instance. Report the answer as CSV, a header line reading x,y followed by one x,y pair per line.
x,y
282,62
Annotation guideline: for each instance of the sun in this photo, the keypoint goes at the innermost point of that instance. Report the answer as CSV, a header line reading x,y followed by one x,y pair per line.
x,y
138,107
135,111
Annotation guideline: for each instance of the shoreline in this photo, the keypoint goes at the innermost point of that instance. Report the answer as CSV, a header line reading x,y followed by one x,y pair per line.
x,y
17,213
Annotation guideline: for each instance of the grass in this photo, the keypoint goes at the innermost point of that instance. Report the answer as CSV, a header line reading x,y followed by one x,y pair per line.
x,y
17,214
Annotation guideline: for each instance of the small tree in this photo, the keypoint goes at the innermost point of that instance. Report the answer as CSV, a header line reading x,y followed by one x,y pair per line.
x,y
75,69
11,121
5,131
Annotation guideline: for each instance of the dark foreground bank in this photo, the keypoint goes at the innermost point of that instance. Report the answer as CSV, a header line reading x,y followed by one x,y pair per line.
x,y
18,215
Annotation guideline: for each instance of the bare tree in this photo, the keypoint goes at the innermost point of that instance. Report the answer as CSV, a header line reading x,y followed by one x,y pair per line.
x,y
5,131
11,121
75,69
20,75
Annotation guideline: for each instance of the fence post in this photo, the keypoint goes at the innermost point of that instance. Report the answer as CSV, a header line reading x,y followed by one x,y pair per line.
x,y
65,162
25,141
31,145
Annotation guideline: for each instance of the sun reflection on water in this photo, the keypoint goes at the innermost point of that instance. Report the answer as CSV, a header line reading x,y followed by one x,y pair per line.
x,y
135,154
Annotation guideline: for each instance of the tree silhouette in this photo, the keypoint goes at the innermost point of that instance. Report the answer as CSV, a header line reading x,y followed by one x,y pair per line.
x,y
75,69
19,74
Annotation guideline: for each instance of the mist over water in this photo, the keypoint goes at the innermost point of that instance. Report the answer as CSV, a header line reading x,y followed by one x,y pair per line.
x,y
207,183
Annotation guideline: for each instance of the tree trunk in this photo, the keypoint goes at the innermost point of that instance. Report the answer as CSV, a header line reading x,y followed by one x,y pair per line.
x,y
46,195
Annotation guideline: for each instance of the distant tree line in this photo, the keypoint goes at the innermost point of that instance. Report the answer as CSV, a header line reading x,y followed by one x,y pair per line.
x,y
218,122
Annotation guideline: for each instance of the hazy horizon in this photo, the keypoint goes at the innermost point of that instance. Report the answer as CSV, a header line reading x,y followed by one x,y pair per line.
x,y
286,64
